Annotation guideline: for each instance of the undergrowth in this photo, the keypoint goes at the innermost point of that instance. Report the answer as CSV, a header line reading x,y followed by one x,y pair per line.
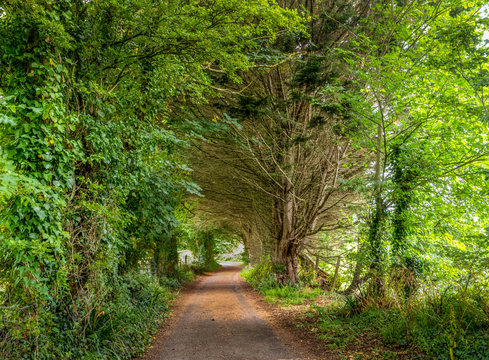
x,y
117,324
261,277
202,267
441,325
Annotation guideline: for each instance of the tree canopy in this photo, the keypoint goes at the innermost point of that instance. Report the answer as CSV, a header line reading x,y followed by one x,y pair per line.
x,y
131,130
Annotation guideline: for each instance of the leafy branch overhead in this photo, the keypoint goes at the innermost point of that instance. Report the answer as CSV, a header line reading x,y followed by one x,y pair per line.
x,y
340,144
92,167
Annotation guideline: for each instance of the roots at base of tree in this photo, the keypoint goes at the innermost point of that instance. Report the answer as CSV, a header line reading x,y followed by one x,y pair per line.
x,y
286,270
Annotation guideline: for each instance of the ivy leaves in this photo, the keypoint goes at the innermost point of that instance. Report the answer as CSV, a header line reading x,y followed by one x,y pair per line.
x,y
90,163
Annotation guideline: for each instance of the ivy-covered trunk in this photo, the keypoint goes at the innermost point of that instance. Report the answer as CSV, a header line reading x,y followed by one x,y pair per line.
x,y
36,172
377,251
405,175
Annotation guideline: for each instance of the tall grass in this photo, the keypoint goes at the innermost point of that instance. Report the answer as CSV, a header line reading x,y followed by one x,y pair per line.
x,y
114,324
261,276
443,323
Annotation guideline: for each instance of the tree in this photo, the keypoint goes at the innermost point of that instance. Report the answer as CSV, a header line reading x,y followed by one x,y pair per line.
x,y
424,114
288,157
86,89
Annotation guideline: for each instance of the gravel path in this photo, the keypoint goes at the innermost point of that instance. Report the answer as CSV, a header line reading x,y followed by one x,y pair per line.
x,y
215,319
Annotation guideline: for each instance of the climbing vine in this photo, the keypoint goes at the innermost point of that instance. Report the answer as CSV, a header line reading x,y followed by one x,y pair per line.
x,y
91,163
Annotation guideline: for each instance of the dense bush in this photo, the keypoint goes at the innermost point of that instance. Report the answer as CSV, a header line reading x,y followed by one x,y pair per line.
x,y
261,276
446,325
114,325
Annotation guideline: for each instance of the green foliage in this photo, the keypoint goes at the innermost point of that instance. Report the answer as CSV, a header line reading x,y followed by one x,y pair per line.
x,y
290,295
261,276
97,110
245,257
91,166
425,134
118,329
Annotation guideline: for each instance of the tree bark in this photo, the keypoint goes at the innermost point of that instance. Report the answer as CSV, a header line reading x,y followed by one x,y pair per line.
x,y
252,243
286,263
357,281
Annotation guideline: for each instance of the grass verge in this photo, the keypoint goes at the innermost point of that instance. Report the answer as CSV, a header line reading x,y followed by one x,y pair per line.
x,y
441,325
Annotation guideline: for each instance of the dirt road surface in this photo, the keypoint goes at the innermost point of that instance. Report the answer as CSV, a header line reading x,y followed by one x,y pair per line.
x,y
216,318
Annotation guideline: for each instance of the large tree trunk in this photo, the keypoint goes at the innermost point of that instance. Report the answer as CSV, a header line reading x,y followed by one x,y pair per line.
x,y
286,263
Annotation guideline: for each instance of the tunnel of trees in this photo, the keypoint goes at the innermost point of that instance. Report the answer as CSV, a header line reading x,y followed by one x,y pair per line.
x,y
133,130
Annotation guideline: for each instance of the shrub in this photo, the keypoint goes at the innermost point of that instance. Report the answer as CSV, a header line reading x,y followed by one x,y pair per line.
x,y
261,276
113,323
446,325
178,278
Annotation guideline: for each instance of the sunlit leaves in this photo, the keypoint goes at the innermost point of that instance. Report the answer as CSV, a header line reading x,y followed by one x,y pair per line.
x,y
424,74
